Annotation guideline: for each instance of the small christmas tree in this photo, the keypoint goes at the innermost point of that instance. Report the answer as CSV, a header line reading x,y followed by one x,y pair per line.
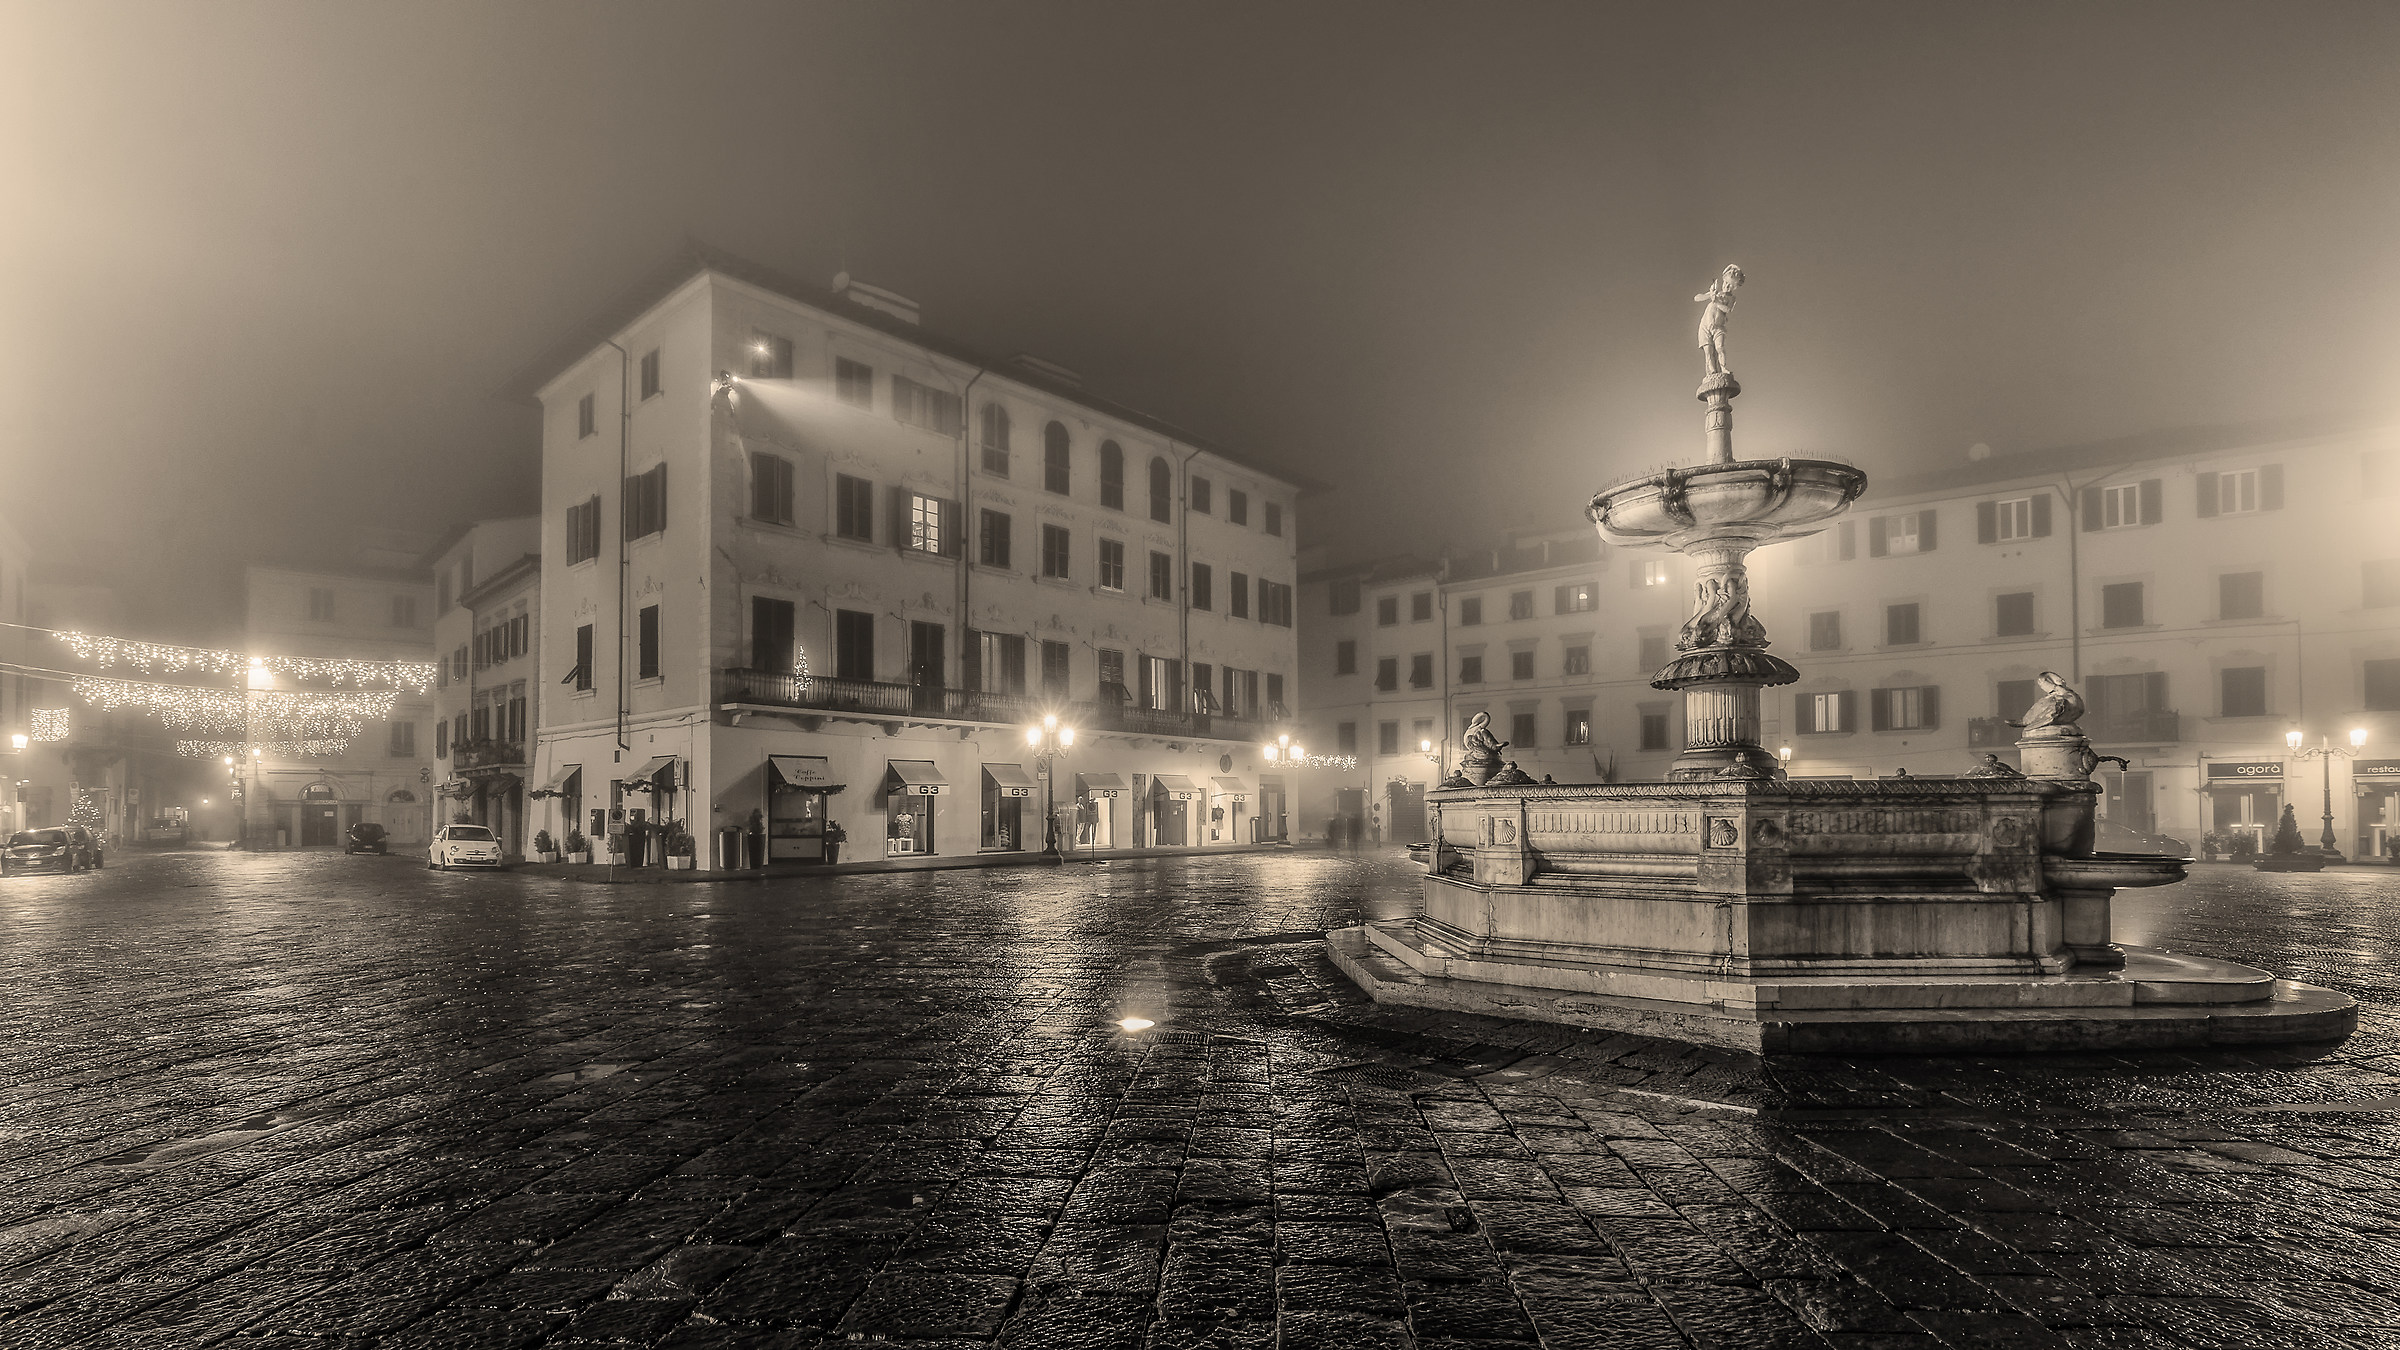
x,y
88,813
2287,835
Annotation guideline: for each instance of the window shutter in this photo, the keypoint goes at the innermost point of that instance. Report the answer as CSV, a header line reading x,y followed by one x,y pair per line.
x,y
1877,545
1849,710
1987,522
2091,508
970,657
2154,690
2208,494
2270,487
1804,710
2041,515
1175,692
899,514
1849,537
1142,665
1879,709
1925,532
954,528
2154,492
1931,697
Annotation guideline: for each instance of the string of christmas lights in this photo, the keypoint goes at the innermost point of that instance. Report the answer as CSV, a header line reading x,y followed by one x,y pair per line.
x,y
318,749
1344,762
291,715
168,658
46,724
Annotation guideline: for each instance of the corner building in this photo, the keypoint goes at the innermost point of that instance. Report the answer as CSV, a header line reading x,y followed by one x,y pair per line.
x,y
807,563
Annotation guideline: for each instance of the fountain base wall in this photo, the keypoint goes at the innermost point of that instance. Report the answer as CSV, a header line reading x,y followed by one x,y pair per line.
x,y
1917,914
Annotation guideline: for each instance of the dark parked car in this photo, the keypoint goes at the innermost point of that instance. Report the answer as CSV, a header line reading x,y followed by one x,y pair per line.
x,y
367,837
59,848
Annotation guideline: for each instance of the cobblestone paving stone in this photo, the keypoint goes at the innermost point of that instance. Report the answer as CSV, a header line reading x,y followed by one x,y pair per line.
x,y
311,1101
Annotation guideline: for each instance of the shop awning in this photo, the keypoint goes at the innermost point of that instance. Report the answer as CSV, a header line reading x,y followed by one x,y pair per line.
x,y
1011,780
918,778
563,782
458,789
1177,786
1232,787
812,773
645,778
1099,784
500,783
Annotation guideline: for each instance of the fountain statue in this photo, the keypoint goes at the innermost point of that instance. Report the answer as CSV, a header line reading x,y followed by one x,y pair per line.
x,y
1733,905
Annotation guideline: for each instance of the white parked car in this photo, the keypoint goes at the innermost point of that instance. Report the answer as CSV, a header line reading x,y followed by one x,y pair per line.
x,y
465,846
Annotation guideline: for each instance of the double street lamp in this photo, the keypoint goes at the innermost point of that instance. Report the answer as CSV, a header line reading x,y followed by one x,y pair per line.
x,y
1283,749
2326,750
1048,740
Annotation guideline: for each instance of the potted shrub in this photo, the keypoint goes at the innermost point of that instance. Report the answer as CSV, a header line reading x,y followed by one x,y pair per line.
x,y
2286,852
835,835
676,841
2242,846
545,849
757,838
579,849
2212,846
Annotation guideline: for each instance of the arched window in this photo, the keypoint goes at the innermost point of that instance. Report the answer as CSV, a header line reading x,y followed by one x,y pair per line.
x,y
1112,475
1054,459
319,792
401,796
1162,491
995,439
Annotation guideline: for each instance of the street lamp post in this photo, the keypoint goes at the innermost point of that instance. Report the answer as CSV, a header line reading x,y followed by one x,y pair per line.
x,y
2326,750
1049,740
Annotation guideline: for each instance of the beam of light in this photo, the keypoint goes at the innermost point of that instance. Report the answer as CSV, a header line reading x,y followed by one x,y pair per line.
x,y
1135,1023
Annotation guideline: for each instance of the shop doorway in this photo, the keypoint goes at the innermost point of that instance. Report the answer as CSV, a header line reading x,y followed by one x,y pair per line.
x,y
320,816
1271,824
2251,809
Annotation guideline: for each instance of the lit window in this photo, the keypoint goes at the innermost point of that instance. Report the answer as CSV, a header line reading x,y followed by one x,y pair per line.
x,y
1577,597
924,523
1651,572
1579,726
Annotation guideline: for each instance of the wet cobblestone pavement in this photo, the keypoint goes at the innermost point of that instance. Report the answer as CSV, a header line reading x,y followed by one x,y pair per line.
x,y
315,1101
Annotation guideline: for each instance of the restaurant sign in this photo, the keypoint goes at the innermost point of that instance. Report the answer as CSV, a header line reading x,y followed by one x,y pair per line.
x,y
2223,769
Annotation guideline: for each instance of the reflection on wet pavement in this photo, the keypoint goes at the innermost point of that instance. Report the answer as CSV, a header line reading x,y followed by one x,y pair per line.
x,y
326,1101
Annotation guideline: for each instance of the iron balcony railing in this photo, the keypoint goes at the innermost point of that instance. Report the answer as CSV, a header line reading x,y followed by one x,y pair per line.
x,y
875,698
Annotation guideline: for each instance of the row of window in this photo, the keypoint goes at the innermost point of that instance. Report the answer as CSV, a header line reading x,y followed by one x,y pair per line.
x,y
1524,731
504,641
920,405
1572,597
502,717
2005,520
996,663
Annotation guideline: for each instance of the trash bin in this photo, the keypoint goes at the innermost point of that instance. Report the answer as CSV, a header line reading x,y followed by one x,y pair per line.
x,y
729,848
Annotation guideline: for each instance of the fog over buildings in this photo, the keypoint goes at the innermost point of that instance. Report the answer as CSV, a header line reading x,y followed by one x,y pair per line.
x,y
277,271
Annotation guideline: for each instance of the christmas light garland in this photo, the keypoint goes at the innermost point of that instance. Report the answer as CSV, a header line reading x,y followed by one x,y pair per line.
x,y
47,724
154,657
290,715
317,749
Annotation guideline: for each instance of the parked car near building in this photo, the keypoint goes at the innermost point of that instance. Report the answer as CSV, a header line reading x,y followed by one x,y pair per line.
x,y
368,837
464,846
60,848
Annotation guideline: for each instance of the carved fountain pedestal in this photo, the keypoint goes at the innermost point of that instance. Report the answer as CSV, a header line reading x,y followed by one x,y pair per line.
x,y
1730,905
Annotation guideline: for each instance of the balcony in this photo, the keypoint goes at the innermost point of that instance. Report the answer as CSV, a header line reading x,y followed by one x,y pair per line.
x,y
879,701
487,754
2138,726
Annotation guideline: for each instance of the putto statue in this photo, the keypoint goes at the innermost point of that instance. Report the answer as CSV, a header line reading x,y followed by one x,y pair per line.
x,y
2054,715
1718,299
1479,757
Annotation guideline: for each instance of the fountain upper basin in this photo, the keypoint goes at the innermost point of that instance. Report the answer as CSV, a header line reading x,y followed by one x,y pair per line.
x,y
1756,499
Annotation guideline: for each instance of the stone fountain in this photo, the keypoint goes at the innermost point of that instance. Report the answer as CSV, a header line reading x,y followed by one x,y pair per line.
x,y
1732,905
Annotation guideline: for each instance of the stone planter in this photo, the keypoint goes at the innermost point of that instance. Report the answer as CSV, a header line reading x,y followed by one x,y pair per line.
x,y
2307,860
675,864
546,857
580,858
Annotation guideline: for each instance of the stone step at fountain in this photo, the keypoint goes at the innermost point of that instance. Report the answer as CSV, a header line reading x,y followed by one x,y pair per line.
x,y
2159,1000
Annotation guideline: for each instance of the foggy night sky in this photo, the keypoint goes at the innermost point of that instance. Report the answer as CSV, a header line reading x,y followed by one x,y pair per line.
x,y
269,269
